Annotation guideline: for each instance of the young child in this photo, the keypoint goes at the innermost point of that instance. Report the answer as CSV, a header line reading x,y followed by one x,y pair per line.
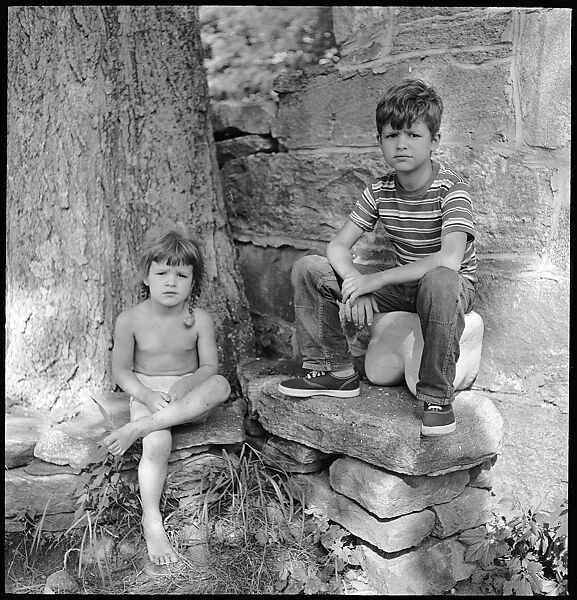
x,y
426,210
165,356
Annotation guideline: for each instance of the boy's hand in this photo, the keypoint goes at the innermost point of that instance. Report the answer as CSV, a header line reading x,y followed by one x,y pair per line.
x,y
156,401
357,285
362,311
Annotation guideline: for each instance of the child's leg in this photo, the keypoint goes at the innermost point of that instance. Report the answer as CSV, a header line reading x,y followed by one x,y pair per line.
x,y
443,298
188,409
320,337
152,470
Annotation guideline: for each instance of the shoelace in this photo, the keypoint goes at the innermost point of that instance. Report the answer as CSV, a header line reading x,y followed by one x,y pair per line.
x,y
315,374
434,407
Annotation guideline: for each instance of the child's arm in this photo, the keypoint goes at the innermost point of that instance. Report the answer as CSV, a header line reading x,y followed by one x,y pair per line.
x,y
450,255
207,356
122,359
341,260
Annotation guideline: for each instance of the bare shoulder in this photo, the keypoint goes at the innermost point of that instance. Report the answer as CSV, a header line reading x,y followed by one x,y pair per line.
x,y
128,318
203,319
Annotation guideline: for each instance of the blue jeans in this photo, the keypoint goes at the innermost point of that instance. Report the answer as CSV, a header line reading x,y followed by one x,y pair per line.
x,y
441,298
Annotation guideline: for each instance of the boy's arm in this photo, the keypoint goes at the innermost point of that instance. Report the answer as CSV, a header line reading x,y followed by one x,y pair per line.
x,y
450,255
207,357
339,249
122,359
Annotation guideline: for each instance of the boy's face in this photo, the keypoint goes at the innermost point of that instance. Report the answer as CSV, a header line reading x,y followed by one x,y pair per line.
x,y
408,149
170,286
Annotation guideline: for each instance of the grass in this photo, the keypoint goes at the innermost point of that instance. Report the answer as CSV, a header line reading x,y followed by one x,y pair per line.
x,y
260,538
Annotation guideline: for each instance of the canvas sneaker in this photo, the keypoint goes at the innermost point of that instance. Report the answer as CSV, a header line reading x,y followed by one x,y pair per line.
x,y
438,419
321,383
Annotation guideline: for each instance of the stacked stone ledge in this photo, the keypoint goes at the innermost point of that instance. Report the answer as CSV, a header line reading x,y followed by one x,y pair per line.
x,y
364,464
44,459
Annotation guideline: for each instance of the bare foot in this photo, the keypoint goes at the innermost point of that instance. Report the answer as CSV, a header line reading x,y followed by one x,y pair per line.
x,y
160,551
120,440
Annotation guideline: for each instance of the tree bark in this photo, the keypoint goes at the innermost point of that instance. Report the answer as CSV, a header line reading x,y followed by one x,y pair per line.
x,y
109,142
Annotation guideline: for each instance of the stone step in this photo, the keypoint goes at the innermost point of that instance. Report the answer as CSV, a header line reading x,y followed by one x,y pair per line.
x,y
381,426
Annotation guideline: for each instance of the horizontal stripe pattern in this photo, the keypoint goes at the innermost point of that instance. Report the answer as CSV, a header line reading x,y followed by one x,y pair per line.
x,y
415,224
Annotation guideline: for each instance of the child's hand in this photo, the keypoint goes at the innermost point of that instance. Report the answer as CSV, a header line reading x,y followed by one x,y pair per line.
x,y
156,401
358,285
361,312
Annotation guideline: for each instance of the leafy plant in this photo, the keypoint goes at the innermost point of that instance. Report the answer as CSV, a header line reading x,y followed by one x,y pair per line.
x,y
530,545
246,47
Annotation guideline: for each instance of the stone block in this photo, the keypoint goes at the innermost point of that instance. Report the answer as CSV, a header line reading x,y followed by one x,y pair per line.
x,y
20,436
396,346
292,456
242,146
470,509
389,535
381,426
388,494
433,568
248,117
33,493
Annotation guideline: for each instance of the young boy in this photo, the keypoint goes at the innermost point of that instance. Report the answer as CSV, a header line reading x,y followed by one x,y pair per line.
x,y
165,357
425,208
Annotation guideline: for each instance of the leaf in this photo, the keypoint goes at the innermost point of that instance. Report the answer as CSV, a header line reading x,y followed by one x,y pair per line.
x,y
108,424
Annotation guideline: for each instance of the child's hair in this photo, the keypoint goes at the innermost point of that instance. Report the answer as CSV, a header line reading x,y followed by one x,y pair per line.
x,y
176,249
407,101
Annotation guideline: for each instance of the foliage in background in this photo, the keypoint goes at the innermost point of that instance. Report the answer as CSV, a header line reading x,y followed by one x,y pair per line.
x,y
529,544
246,47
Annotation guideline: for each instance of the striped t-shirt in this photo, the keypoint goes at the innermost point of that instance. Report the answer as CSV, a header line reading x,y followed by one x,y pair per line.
x,y
416,221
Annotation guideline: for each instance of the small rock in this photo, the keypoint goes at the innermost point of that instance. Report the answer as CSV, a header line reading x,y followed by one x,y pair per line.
x,y
60,582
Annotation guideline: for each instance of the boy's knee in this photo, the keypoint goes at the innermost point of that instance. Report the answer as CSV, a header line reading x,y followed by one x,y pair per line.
x,y
307,265
440,282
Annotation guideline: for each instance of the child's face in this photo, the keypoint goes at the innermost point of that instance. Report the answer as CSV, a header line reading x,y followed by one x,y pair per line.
x,y
170,286
408,149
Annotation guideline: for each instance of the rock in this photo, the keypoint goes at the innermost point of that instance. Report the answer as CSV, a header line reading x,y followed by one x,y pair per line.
x,y
396,346
247,117
482,476
242,146
389,495
20,436
293,457
40,467
381,427
468,510
61,447
433,568
61,582
390,535
35,494
223,426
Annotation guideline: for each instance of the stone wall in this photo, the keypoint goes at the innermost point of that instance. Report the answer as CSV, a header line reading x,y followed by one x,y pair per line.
x,y
292,170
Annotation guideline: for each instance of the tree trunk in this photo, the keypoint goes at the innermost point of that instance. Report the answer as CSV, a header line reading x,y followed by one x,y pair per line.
x,y
109,141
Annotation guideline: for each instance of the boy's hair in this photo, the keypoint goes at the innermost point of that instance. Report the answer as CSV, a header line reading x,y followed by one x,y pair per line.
x,y
175,249
407,101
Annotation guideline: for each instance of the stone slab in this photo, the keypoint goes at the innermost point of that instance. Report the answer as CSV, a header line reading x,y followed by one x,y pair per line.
x,y
433,568
381,427
390,535
388,494
20,436
468,510
35,493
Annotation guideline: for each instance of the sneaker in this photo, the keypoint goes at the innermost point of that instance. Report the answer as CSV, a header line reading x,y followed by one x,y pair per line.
x,y
321,383
438,419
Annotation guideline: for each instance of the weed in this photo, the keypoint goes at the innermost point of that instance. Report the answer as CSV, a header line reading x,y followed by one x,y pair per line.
x,y
529,545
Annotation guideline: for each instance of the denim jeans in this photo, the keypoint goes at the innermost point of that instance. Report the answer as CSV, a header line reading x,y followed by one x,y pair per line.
x,y
441,299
